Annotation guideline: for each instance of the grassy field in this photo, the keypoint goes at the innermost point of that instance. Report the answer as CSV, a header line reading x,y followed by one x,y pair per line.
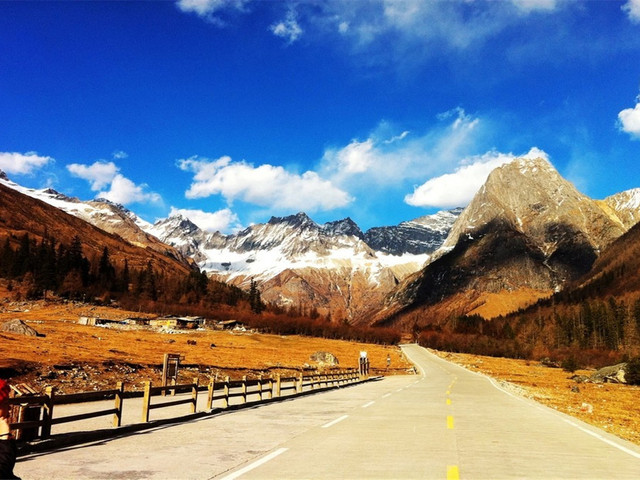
x,y
75,357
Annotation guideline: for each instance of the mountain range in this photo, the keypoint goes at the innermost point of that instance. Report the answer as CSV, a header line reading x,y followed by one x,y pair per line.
x,y
333,269
526,234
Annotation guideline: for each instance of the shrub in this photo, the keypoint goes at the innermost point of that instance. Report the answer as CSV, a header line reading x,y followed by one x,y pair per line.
x,y
570,364
632,373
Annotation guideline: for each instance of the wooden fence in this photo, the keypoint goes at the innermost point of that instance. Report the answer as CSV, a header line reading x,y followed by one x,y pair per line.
x,y
37,412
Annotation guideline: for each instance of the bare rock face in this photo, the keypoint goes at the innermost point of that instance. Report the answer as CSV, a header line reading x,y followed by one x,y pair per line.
x,y
526,228
19,327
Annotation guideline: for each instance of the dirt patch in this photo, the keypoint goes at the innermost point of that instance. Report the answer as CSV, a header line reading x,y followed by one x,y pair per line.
x,y
76,358
612,407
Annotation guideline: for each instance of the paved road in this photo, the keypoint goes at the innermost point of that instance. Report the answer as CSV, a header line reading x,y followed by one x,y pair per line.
x,y
446,423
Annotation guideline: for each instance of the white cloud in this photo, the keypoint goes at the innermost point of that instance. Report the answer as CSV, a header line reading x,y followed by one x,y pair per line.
x,y
458,188
99,174
388,159
632,7
629,121
288,28
265,185
210,10
121,190
22,163
124,191
220,221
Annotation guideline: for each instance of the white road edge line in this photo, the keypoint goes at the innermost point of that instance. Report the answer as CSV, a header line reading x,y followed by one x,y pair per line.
x,y
332,423
386,395
255,464
367,405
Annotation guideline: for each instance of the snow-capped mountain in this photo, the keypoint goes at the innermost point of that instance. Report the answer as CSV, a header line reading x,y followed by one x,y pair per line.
x,y
108,216
422,235
299,262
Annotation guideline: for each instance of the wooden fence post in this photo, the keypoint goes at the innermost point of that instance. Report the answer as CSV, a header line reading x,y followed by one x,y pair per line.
x,y
194,395
278,385
260,387
299,384
270,387
225,400
47,414
146,401
244,389
119,397
211,389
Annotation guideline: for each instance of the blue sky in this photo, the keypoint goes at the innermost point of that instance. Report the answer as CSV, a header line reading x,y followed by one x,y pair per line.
x,y
231,111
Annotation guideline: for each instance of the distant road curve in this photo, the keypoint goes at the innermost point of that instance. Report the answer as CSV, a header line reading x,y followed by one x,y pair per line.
x,y
445,423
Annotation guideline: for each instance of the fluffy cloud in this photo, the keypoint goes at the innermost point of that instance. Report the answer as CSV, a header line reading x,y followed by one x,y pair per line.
x,y
388,159
220,221
629,120
265,185
22,163
632,7
121,190
458,188
124,191
288,28
99,174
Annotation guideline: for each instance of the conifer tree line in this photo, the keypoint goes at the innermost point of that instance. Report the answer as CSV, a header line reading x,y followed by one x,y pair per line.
x,y
48,266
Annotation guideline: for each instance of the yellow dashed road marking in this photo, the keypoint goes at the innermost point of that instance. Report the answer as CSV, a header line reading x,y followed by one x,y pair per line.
x,y
453,473
450,422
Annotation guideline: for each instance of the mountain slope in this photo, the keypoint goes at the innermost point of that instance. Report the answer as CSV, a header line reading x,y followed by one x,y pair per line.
x,y
106,215
20,214
526,230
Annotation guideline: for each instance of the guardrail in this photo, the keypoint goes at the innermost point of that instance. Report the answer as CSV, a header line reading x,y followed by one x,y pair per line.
x,y
37,412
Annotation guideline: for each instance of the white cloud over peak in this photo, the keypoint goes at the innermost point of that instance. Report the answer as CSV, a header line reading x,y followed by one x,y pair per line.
x,y
124,191
121,190
22,163
458,188
629,120
99,174
632,7
386,159
265,185
220,221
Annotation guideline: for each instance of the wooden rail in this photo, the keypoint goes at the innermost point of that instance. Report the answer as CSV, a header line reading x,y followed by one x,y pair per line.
x,y
221,394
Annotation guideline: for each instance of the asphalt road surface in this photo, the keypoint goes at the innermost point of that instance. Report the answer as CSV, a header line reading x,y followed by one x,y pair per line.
x,y
445,423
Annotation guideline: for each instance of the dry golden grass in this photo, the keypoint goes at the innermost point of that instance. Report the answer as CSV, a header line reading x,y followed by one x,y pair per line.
x,y
105,355
615,407
491,305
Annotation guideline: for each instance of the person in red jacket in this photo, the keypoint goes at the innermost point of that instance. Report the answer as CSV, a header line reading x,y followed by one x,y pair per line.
x,y
7,443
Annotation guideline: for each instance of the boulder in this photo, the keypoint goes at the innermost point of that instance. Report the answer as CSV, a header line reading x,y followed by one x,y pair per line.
x,y
324,358
611,374
18,326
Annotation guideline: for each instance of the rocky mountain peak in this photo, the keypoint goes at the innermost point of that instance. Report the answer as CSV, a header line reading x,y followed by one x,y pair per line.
x,y
299,220
345,226
531,196
3,176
